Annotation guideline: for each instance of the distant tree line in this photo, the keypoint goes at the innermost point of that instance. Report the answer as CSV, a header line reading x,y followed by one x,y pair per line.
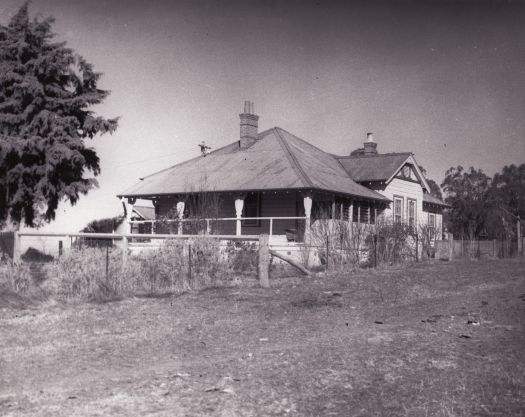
x,y
484,207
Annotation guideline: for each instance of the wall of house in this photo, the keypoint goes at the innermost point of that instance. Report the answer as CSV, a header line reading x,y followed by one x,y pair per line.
x,y
406,190
439,219
411,190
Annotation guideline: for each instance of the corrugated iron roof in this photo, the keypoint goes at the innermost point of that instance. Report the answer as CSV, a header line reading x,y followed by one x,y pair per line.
x,y
378,167
429,198
277,160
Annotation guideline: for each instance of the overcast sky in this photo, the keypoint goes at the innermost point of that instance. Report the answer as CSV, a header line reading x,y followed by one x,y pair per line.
x,y
444,80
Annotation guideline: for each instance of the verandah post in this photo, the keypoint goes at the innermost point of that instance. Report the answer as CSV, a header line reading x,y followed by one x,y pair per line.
x,y
180,216
239,205
307,204
264,261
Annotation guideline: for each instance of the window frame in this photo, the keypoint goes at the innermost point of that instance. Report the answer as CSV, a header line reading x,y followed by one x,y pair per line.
x,y
409,201
432,227
395,212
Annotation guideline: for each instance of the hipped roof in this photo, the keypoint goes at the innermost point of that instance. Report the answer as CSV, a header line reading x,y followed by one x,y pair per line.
x,y
277,160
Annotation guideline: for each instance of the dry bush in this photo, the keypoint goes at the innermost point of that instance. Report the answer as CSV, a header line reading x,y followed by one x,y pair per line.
x,y
15,277
394,242
81,274
242,257
340,243
161,269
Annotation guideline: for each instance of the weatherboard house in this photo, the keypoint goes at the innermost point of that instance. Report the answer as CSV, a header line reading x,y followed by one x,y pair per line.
x,y
274,182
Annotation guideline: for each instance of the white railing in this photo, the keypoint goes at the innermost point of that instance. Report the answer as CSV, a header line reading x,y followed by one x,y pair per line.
x,y
209,220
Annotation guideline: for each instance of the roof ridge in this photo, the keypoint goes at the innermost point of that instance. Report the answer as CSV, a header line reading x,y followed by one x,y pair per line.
x,y
372,156
304,141
292,159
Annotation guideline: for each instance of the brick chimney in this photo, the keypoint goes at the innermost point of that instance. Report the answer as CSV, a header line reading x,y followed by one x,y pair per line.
x,y
370,147
249,126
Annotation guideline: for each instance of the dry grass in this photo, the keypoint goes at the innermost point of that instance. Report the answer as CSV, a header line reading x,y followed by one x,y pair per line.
x,y
173,268
390,342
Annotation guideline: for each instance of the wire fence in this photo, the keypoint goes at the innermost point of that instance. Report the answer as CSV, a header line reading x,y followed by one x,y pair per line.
x,y
505,248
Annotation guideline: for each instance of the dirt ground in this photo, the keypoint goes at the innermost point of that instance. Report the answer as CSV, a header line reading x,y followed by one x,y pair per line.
x,y
443,339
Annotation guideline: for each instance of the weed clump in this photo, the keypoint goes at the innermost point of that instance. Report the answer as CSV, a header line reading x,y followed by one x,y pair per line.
x,y
15,277
176,266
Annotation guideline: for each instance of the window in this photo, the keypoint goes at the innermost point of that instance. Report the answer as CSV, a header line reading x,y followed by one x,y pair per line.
x,y
412,213
361,212
398,209
431,226
252,209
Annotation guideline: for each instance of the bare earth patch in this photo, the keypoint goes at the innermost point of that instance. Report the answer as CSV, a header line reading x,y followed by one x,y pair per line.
x,y
444,339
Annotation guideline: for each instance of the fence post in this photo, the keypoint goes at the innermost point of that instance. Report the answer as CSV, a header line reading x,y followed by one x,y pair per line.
x,y
16,247
264,261
520,242
375,250
107,264
494,248
327,250
189,264
450,246
124,251
417,248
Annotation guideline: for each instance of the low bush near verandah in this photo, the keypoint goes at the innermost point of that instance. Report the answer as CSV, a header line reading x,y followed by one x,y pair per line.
x,y
82,273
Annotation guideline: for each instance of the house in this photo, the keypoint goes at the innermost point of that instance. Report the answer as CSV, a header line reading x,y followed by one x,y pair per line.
x,y
274,182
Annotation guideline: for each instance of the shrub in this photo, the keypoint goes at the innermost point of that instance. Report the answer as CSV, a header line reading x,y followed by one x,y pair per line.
x,y
15,277
395,242
165,269
82,274
34,255
241,257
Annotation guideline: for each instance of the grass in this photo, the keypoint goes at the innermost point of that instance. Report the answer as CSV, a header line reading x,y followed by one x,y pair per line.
x,y
387,342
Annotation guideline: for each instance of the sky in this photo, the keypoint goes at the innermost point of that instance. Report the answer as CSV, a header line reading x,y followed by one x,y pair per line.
x,y
442,79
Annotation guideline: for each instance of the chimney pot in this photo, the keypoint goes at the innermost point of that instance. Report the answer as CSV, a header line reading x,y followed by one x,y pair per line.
x,y
370,147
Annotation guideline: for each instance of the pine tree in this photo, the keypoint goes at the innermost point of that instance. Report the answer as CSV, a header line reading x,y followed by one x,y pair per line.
x,y
46,92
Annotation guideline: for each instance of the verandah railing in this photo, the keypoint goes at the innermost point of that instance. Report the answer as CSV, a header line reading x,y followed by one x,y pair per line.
x,y
208,222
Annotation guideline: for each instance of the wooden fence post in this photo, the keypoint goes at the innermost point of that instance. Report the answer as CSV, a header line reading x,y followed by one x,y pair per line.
x,y
518,233
450,246
124,251
417,248
16,247
264,261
